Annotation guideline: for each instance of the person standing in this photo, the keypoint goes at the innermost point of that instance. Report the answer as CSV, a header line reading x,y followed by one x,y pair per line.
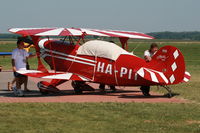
x,y
148,57
27,45
19,62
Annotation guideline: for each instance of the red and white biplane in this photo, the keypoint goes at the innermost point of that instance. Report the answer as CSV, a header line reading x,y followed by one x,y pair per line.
x,y
100,61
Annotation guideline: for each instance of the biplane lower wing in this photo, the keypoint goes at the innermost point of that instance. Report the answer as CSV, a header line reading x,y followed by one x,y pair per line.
x,y
53,75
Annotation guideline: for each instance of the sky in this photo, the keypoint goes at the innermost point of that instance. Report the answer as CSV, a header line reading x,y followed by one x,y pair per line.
x,y
132,15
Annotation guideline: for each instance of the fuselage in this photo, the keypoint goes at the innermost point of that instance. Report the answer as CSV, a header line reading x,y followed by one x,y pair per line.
x,y
122,71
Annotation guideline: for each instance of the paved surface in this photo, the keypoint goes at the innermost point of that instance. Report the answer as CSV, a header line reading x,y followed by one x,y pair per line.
x,y
123,94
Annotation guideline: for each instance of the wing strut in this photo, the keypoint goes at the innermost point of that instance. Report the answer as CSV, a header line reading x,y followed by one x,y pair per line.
x,y
124,43
52,58
41,67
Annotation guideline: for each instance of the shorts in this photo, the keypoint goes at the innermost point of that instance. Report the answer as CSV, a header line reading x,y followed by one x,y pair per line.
x,y
18,75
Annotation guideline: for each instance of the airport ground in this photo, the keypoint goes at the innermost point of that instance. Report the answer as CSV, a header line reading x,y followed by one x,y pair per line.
x,y
109,116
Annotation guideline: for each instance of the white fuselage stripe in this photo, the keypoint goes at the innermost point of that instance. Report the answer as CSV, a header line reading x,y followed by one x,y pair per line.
x,y
73,60
41,45
72,56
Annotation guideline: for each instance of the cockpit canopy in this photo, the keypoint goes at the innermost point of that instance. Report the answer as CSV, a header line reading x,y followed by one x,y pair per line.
x,y
101,49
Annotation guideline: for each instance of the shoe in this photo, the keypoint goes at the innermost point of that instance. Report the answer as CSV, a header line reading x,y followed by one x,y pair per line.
x,y
26,90
112,87
20,93
102,87
15,91
146,94
145,90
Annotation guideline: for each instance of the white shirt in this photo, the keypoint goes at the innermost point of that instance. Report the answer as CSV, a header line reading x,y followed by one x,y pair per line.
x,y
19,55
147,53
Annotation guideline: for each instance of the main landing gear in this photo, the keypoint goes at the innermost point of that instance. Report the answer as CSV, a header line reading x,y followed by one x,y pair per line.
x,y
80,86
46,88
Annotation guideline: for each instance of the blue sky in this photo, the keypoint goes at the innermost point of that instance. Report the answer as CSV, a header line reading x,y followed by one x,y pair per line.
x,y
133,15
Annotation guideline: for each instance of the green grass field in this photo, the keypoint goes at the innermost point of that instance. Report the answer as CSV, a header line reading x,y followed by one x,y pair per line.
x,y
99,118
110,117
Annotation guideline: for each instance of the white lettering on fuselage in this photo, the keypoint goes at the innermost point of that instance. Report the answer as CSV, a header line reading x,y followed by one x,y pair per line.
x,y
107,69
123,71
100,67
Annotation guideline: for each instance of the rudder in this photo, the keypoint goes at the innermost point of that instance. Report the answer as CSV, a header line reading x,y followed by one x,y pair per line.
x,y
170,61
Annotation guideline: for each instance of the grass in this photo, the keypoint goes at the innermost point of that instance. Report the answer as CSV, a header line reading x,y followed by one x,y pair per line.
x,y
110,117
99,118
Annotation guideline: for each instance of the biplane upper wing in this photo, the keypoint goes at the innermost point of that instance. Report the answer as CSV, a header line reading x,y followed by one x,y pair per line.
x,y
53,75
78,32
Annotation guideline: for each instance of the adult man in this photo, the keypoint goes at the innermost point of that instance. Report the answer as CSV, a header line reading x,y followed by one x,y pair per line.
x,y
148,57
19,62
150,52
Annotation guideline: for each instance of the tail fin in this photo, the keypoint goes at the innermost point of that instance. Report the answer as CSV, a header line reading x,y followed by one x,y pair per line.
x,y
170,61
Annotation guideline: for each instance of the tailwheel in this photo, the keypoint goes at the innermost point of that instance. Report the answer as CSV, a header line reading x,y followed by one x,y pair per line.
x,y
45,88
169,90
43,92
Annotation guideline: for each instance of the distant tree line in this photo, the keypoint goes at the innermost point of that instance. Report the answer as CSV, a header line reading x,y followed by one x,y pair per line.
x,y
8,36
194,35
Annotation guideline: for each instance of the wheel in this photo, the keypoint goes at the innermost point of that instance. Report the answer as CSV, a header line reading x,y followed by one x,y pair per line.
x,y
169,95
45,88
77,87
43,92
78,91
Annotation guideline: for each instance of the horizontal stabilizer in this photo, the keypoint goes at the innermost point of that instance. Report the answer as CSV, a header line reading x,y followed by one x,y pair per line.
x,y
187,77
152,75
